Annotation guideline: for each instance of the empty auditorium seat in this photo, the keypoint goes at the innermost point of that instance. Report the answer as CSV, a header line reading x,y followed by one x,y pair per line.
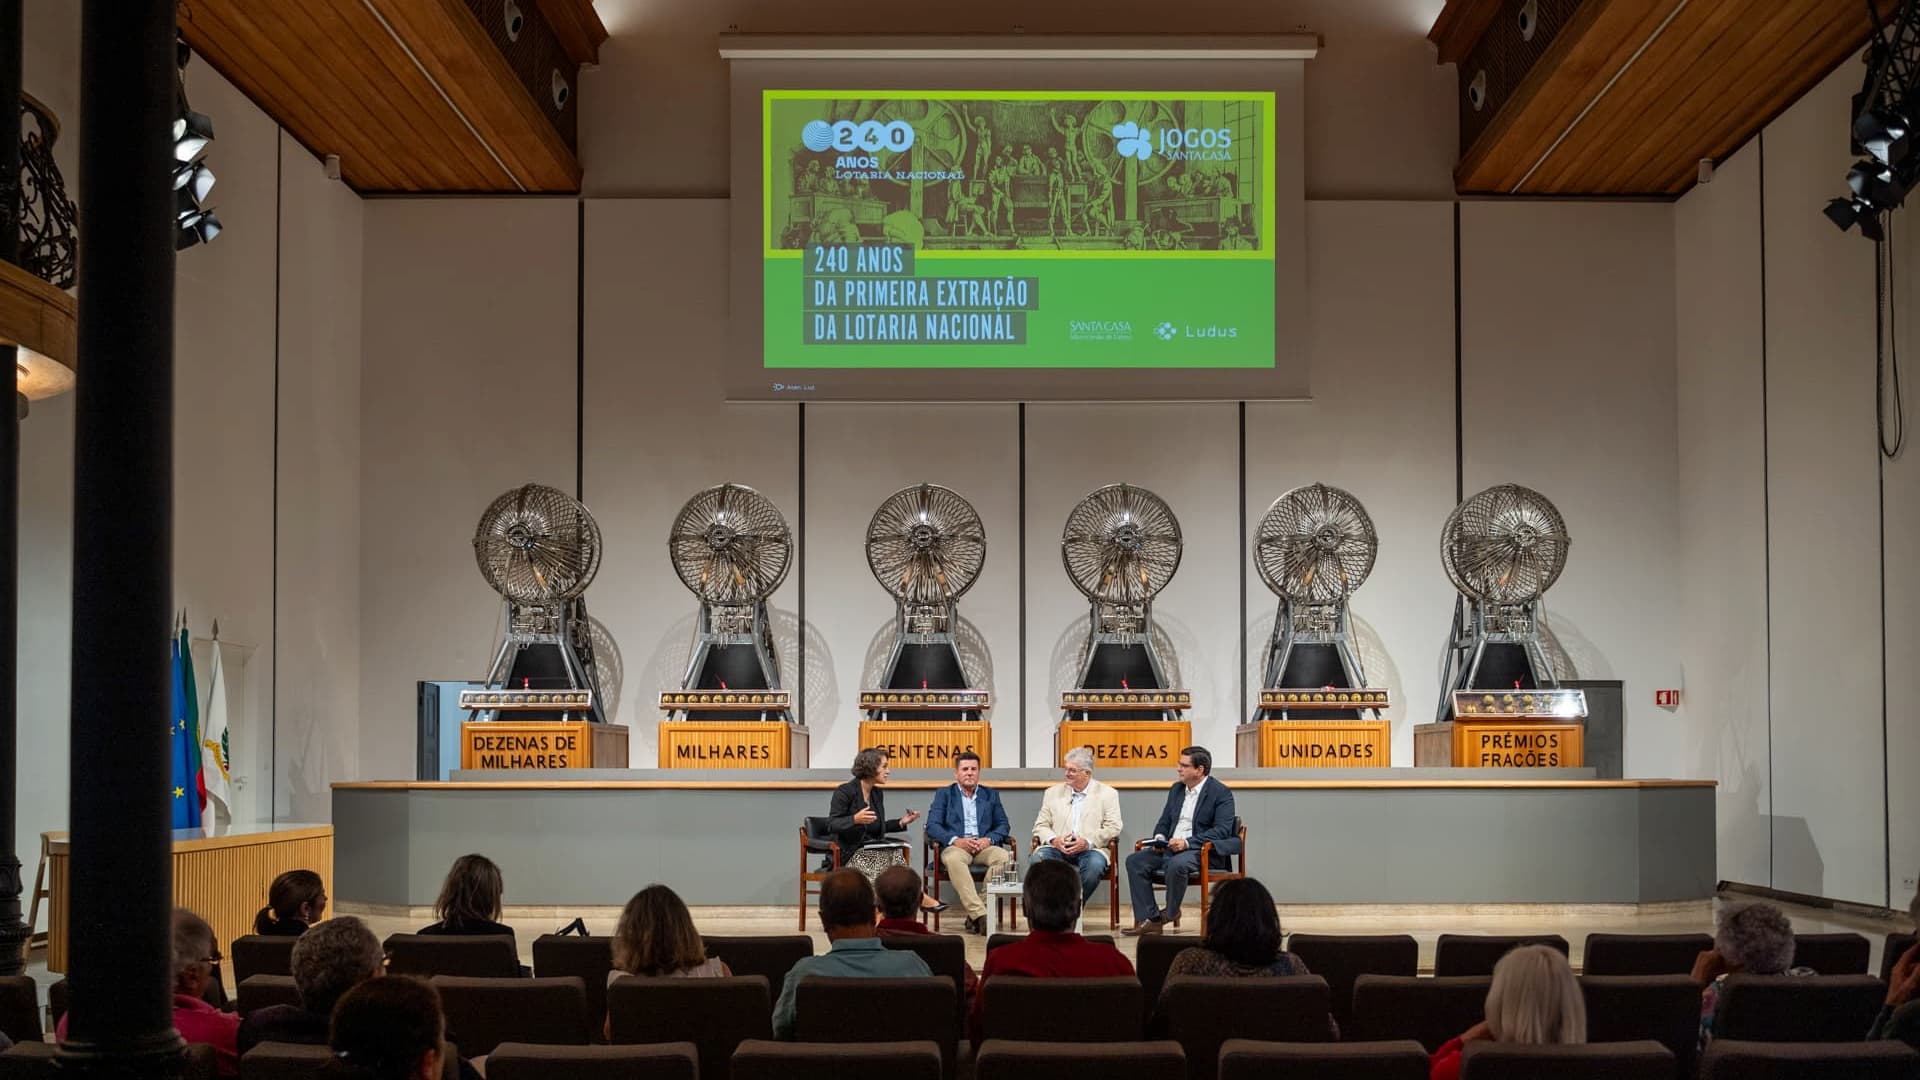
x,y
591,958
1475,954
19,1008
482,957
257,992
1204,1013
1398,1059
35,1060
284,1061
1019,1008
261,954
1163,1060
1896,947
1428,1011
1342,958
772,955
1832,954
1643,954
1663,1008
482,1013
716,1015
1735,1059
1642,1060
1786,1008
659,1061
846,1011
945,954
998,940
761,1059
1151,959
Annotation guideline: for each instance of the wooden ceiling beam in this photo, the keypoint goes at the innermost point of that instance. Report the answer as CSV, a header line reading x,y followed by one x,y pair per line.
x,y
1460,25
413,95
577,26
1630,94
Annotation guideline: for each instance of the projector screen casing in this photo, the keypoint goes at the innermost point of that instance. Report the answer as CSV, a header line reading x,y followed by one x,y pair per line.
x,y
747,378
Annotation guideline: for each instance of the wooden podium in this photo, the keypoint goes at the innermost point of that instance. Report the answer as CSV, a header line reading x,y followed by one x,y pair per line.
x,y
1507,729
924,729
1124,744
1304,740
732,743
542,744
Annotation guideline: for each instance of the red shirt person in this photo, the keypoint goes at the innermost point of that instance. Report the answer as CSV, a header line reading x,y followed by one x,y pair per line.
x,y
898,890
194,954
1052,950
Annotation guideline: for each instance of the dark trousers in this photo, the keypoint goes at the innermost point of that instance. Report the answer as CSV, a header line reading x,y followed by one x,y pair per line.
x,y
1179,867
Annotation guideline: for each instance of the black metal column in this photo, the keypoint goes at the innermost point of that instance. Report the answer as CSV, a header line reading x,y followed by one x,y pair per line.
x,y
14,932
121,955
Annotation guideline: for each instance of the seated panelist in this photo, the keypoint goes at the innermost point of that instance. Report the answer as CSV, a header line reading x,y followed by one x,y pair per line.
x,y
970,825
1078,819
1199,810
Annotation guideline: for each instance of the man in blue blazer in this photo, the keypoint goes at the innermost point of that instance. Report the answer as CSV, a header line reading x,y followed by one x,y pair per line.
x,y
970,825
1199,811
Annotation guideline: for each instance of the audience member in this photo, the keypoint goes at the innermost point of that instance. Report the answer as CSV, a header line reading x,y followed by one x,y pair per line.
x,y
1199,811
656,938
296,900
1243,941
1051,950
328,961
1078,819
1753,939
1900,1019
469,902
969,823
899,891
846,914
1534,1000
388,1029
858,817
194,954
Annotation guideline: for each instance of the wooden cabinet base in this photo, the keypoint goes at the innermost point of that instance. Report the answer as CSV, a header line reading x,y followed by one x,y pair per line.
x,y
542,744
928,744
1501,744
1313,744
732,744
1125,744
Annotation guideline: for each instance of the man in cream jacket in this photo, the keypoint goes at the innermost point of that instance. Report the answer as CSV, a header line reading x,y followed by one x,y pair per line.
x,y
1078,819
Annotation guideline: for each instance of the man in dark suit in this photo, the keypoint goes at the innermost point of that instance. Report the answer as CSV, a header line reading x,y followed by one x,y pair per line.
x,y
970,825
1199,811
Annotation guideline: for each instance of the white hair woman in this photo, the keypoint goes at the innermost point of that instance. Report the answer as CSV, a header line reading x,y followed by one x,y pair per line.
x,y
1534,1000
1752,939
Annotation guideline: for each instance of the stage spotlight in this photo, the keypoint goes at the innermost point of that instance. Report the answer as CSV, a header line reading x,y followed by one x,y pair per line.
x,y
1883,134
191,134
1877,184
199,227
194,177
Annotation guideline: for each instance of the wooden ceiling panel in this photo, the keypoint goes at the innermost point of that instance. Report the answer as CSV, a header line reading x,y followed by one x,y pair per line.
x,y
413,95
1631,94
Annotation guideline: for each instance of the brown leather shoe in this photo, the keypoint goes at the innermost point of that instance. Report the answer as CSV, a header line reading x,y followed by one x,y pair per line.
x,y
1152,926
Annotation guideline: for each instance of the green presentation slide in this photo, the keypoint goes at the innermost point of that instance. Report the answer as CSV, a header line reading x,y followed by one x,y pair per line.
x,y
1007,229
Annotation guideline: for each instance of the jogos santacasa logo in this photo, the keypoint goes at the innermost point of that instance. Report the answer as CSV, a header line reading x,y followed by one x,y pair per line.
x,y
1178,144
845,136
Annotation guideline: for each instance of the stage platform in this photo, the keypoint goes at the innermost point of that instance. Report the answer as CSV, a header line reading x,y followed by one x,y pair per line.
x,y
592,837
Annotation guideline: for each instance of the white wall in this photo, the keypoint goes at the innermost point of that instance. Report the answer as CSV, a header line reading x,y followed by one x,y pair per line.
x,y
467,391
1719,349
315,738
1567,377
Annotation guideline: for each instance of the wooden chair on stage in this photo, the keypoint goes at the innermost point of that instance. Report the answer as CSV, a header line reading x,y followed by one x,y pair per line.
x,y
933,872
816,843
1112,878
1208,878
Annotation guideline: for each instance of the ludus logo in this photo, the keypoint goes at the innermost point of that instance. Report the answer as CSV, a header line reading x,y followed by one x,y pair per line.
x,y
1189,332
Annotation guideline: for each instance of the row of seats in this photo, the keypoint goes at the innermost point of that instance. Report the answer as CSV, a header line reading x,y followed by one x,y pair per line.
x,y
1201,1014
1238,1059
1338,958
